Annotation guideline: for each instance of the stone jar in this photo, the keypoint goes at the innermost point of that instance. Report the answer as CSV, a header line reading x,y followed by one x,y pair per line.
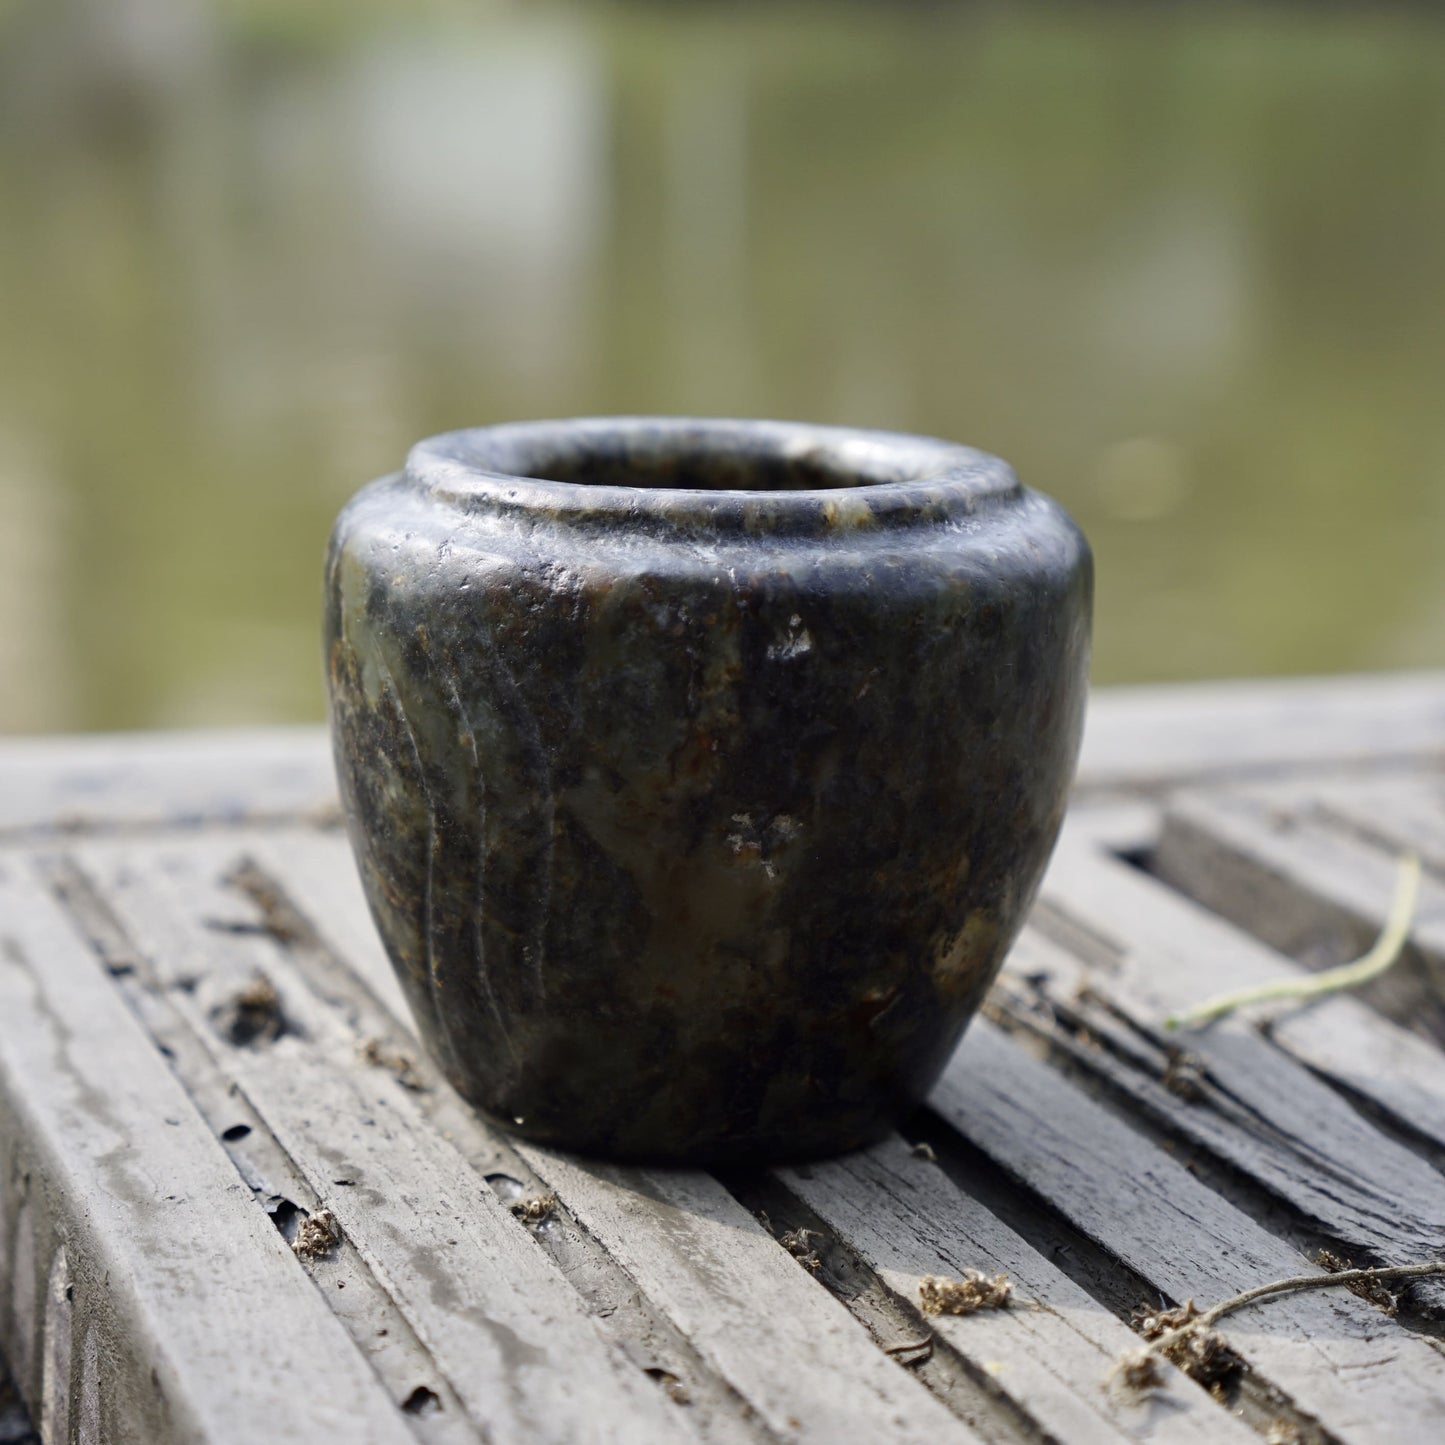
x,y
700,773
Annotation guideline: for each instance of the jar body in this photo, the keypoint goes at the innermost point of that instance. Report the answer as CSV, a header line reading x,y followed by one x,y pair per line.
x,y
697,819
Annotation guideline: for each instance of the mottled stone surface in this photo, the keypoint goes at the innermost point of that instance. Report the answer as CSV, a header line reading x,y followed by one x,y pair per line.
x,y
699,790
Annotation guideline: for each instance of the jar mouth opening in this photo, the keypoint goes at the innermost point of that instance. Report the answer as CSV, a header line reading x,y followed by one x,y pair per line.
x,y
690,468
697,469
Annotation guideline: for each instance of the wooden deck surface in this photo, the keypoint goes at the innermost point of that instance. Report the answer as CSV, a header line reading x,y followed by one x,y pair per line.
x,y
203,1052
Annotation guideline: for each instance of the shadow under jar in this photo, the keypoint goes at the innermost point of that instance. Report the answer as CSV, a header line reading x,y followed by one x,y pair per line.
x,y
700,773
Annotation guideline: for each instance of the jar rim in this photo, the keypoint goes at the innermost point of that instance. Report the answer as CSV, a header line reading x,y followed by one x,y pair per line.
x,y
685,471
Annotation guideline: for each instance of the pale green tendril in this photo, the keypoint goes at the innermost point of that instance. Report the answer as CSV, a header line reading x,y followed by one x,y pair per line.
x,y
1385,953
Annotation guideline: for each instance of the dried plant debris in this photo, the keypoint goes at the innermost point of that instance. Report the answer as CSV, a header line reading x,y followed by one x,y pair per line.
x,y
803,1244
940,1295
252,1015
376,1053
1184,1335
925,1152
1136,1374
1178,1336
672,1386
1283,1432
535,1209
1184,1074
316,1235
1367,1289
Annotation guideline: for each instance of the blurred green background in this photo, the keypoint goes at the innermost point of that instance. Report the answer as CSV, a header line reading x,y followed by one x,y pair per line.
x,y
1183,265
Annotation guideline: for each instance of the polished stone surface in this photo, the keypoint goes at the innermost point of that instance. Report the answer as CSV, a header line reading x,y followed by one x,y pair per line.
x,y
700,773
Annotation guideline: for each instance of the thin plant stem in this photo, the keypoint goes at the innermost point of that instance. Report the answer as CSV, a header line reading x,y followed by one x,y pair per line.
x,y
1294,1282
1140,1363
1382,956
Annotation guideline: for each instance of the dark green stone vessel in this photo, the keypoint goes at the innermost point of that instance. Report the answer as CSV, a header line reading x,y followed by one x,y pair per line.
x,y
700,773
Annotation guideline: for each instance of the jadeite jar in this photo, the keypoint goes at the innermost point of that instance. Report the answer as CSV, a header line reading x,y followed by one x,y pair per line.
x,y
700,773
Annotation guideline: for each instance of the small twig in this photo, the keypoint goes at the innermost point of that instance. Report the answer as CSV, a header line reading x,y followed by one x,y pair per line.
x,y
1306,1281
907,1347
1138,1370
1382,956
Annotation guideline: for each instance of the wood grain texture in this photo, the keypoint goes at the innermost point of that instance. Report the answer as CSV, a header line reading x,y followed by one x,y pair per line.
x,y
1361,1375
1146,739
1397,812
796,1354
317,870
1051,1350
144,780
123,1210
1388,1068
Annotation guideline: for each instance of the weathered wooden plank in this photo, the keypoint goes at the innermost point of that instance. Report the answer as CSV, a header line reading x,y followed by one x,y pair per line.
x,y
506,1330
713,1268
1146,738
1398,812
74,784
1313,891
1049,1351
1046,987
147,1289
1264,1113
1362,1376
378,1329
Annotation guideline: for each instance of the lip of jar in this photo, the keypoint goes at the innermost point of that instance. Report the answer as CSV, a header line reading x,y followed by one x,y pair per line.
x,y
713,477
